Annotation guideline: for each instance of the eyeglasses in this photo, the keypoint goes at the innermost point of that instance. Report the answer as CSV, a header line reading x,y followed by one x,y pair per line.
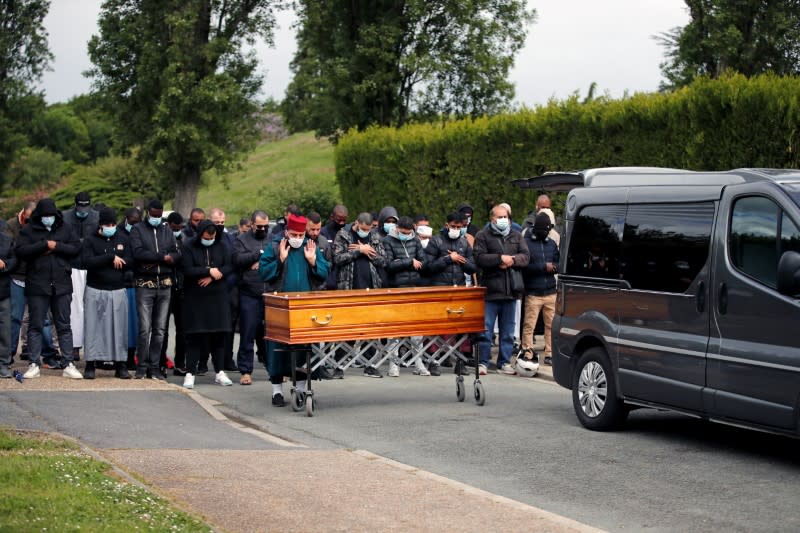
x,y
261,227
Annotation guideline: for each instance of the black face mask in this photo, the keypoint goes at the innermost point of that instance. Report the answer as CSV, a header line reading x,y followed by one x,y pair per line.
x,y
260,234
339,226
540,234
220,231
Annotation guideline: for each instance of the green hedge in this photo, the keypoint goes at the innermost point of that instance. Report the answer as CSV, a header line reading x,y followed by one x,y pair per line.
x,y
711,125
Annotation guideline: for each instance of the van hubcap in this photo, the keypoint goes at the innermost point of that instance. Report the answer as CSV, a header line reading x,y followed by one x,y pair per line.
x,y
592,389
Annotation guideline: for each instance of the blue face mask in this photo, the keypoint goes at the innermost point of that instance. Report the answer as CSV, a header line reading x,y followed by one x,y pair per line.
x,y
81,214
128,227
154,221
177,234
109,231
463,231
48,221
207,242
388,227
405,237
501,223
363,234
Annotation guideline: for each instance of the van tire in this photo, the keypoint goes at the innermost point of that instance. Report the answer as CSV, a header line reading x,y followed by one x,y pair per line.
x,y
594,392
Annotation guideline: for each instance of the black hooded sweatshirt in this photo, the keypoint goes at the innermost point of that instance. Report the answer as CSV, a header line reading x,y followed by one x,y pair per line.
x,y
48,272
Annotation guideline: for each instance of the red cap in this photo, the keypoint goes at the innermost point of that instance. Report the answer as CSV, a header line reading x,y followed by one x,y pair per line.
x,y
296,223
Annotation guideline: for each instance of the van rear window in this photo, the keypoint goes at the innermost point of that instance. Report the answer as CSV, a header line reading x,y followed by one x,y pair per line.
x,y
657,247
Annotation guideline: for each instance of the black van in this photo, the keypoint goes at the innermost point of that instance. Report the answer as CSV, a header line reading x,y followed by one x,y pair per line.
x,y
679,290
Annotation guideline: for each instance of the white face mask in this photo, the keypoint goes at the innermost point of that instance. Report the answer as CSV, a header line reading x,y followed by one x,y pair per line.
x,y
454,233
424,242
296,242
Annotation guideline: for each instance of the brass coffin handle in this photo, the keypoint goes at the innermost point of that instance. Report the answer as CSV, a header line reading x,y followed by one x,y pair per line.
x,y
459,311
328,320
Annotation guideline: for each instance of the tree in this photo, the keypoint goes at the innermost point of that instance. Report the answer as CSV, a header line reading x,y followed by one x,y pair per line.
x,y
748,36
179,83
23,57
387,61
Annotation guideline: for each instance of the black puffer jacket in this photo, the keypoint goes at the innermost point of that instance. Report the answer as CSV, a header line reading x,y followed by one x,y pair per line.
x,y
538,281
489,246
400,257
47,274
442,269
83,228
246,251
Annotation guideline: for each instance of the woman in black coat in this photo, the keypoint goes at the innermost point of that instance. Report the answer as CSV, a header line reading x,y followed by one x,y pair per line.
x,y
207,315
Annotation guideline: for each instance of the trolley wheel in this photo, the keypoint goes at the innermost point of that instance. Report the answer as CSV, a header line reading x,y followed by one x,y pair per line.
x,y
480,394
460,389
310,406
298,401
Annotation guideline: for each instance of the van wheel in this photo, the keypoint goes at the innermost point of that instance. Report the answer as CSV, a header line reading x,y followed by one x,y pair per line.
x,y
594,392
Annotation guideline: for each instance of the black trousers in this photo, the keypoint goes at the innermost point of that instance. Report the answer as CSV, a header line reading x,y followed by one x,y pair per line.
x,y
59,306
200,345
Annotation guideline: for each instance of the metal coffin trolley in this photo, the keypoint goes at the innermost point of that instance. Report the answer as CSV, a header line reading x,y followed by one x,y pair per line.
x,y
349,325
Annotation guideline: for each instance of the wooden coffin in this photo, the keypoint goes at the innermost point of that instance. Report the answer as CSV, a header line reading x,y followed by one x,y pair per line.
x,y
325,316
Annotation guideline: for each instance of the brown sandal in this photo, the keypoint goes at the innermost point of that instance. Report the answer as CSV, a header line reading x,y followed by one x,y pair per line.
x,y
245,380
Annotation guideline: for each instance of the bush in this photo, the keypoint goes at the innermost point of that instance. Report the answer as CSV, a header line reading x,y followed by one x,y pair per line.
x,y
711,125
35,167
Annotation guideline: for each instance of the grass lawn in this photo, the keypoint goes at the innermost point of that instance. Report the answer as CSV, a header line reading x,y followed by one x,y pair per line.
x,y
48,484
269,176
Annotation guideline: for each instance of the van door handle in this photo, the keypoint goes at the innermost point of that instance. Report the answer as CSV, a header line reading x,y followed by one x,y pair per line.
x,y
722,299
701,297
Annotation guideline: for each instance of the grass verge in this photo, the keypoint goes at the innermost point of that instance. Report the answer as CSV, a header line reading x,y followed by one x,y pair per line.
x,y
47,484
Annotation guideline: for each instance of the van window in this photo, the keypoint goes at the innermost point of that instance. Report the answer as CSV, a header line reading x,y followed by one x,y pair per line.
x,y
754,238
594,249
790,236
666,245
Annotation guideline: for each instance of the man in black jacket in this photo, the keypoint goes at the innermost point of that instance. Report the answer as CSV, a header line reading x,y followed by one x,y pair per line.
x,y
7,263
499,251
540,284
450,255
47,245
156,254
83,220
247,250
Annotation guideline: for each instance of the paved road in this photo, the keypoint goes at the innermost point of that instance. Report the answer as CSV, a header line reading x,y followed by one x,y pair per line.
x,y
665,472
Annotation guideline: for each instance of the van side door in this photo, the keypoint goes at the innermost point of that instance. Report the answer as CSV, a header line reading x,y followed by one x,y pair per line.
x,y
754,351
664,318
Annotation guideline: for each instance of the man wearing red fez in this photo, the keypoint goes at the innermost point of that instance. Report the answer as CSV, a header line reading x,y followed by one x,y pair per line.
x,y
292,264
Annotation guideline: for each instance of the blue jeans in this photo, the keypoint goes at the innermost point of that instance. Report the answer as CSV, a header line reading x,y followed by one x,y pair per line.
x,y
251,329
502,311
152,307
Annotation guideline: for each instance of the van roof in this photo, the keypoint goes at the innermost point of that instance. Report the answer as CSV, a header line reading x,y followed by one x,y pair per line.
x,y
636,176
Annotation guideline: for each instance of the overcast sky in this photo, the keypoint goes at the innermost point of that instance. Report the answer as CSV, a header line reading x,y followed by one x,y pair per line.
x,y
572,44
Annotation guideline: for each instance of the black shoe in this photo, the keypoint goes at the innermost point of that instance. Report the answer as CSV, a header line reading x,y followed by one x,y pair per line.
x,y
338,373
159,375
163,371
139,374
548,361
372,372
277,400
202,371
447,363
51,363
5,372
433,368
88,370
179,371
326,373
121,371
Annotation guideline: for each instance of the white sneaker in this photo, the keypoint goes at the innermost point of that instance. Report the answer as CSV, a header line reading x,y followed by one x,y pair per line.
x,y
188,381
420,369
507,369
482,370
32,372
394,370
71,372
222,379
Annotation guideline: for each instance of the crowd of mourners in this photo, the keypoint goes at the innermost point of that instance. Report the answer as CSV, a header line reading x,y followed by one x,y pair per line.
x,y
87,283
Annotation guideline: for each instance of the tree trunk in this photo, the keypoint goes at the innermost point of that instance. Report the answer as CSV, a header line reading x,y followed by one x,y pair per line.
x,y
186,192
